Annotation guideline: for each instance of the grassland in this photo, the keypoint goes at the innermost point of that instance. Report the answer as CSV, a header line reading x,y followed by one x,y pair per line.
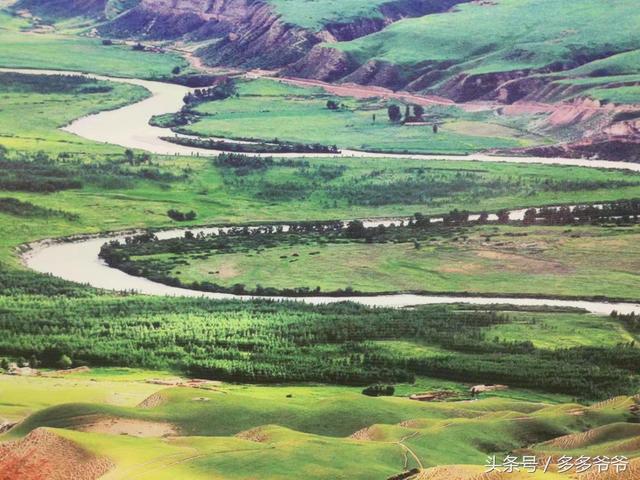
x,y
325,432
24,49
545,261
316,14
618,95
465,41
32,114
271,110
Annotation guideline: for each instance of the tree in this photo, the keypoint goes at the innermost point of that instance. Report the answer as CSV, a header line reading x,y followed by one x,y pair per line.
x,y
332,105
418,111
64,362
395,115
179,216
34,362
176,70
530,216
421,220
355,229
4,363
129,156
503,216
407,113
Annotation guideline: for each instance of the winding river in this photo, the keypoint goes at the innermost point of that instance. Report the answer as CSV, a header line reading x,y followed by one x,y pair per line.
x,y
78,261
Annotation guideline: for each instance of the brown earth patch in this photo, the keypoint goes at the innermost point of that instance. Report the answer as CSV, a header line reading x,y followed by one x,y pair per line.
x,y
411,424
461,267
632,473
369,434
129,426
462,472
227,271
152,401
573,440
44,455
363,434
257,434
523,264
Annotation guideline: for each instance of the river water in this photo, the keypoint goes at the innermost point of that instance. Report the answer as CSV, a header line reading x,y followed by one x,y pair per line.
x,y
129,127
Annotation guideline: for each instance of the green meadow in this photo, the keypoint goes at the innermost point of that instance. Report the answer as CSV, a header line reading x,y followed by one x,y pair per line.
x,y
32,114
316,14
265,110
24,49
545,261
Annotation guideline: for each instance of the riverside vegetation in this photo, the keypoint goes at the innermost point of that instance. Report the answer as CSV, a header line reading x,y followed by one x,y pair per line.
x,y
538,255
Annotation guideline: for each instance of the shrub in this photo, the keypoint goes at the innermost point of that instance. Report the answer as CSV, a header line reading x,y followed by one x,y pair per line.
x,y
179,216
64,362
379,391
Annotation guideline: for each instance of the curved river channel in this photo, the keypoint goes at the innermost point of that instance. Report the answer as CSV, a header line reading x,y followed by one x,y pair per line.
x,y
77,260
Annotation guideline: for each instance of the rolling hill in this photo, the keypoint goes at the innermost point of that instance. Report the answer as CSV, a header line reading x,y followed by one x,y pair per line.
x,y
504,50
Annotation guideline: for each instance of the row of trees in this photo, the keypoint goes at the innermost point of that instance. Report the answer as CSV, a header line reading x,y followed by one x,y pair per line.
x,y
622,210
291,342
275,146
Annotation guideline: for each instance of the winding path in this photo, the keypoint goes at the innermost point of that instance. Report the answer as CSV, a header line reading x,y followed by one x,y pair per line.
x,y
129,127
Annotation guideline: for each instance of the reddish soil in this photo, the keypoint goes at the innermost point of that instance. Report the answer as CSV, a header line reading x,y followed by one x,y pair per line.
x,y
43,455
362,91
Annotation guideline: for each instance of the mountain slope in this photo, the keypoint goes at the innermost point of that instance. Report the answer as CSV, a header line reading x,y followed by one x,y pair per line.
x,y
244,33
469,53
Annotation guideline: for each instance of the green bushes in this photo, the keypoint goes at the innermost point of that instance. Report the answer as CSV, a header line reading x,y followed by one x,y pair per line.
x,y
39,173
36,174
13,206
221,91
20,82
179,216
379,391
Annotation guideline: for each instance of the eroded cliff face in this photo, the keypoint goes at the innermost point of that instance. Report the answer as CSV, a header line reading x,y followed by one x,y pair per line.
x,y
250,33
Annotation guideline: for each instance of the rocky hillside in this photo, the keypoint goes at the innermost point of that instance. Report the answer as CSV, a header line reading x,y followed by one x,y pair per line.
x,y
241,33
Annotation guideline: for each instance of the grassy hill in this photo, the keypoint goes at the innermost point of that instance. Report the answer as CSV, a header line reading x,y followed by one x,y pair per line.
x,y
323,432
23,48
505,36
